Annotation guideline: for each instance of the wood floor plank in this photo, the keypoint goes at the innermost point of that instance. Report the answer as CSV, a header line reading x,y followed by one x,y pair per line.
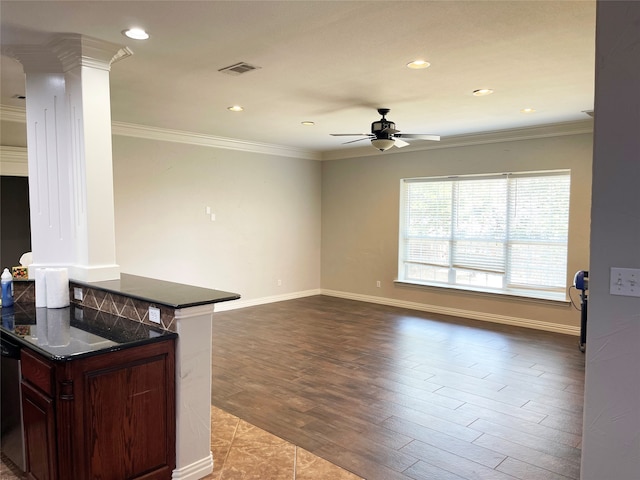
x,y
373,448
539,443
426,471
448,443
527,471
552,463
453,463
532,428
366,467
499,406
395,394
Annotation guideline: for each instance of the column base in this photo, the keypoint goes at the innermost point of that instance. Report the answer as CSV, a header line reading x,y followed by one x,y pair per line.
x,y
195,470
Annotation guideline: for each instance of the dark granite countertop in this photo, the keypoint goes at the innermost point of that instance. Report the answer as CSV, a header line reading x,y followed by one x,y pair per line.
x,y
170,294
63,334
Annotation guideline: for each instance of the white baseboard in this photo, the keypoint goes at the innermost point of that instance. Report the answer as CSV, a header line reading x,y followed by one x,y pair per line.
x,y
194,471
235,304
456,312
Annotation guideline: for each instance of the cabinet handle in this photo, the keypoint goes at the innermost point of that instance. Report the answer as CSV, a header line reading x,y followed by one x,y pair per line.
x,y
66,390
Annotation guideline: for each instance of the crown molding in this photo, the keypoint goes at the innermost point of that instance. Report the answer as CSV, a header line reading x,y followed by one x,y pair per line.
x,y
498,136
177,136
17,114
76,50
14,161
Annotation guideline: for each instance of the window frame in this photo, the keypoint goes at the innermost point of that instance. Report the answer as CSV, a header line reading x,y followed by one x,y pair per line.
x,y
556,293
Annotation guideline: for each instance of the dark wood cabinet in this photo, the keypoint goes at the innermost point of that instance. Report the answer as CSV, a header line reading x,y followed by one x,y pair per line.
x,y
40,434
104,416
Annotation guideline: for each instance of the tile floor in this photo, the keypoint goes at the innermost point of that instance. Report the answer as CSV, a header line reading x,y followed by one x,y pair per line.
x,y
242,451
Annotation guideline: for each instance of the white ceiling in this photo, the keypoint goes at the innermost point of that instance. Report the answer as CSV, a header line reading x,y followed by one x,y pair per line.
x,y
330,62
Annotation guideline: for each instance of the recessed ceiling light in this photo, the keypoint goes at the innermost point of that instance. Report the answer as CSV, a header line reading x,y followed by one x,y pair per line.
x,y
481,92
528,110
235,108
418,64
136,33
308,124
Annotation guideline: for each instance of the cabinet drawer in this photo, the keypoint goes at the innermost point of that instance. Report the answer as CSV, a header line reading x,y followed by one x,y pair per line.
x,y
37,371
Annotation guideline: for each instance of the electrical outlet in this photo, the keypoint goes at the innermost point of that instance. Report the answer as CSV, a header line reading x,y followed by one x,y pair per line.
x,y
77,294
625,281
154,314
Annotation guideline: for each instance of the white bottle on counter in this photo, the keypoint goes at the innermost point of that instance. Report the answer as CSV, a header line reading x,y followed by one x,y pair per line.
x,y
7,288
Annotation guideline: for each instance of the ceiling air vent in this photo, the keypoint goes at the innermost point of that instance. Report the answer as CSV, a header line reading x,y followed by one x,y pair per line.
x,y
238,68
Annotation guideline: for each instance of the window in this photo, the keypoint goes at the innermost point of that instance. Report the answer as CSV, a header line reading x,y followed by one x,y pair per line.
x,y
503,233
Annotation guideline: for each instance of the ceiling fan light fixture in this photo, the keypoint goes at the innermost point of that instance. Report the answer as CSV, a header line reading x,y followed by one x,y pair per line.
x,y
418,64
482,92
382,144
136,33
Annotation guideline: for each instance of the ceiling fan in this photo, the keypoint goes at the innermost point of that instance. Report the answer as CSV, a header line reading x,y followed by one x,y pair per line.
x,y
384,135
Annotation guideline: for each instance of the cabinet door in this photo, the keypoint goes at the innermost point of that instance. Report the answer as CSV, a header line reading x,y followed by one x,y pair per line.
x,y
39,434
127,411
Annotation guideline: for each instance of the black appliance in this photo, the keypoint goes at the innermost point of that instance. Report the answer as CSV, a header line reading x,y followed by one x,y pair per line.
x,y
581,282
11,435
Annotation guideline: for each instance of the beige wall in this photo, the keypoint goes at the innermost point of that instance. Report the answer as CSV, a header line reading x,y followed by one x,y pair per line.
x,y
360,205
267,225
327,226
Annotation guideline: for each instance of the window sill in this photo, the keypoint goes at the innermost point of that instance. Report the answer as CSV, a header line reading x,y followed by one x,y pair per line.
x,y
527,296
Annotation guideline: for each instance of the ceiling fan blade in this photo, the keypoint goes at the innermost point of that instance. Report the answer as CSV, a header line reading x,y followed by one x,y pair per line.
x,y
356,140
350,134
419,136
400,143
389,130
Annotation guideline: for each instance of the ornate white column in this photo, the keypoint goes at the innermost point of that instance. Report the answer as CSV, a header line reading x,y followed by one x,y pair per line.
x,y
69,154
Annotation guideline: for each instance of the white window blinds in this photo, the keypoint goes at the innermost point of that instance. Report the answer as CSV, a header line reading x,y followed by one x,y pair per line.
x,y
501,232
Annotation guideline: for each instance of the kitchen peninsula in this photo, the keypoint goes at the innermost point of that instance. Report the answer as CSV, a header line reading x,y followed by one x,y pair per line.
x,y
115,307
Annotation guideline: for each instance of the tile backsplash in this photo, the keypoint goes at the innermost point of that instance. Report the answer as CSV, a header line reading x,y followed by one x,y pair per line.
x,y
119,305
122,306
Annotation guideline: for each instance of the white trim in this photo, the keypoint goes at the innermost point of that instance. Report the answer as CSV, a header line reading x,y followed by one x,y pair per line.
x,y
14,161
524,296
235,304
177,136
17,114
423,307
194,471
456,312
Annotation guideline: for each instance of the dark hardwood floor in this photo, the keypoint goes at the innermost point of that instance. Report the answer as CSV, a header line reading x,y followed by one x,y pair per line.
x,y
391,393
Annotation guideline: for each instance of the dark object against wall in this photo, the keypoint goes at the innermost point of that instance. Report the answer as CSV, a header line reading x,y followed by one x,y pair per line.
x,y
15,227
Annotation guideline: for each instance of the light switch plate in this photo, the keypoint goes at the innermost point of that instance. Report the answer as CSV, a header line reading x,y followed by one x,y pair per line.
x,y
154,314
625,282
